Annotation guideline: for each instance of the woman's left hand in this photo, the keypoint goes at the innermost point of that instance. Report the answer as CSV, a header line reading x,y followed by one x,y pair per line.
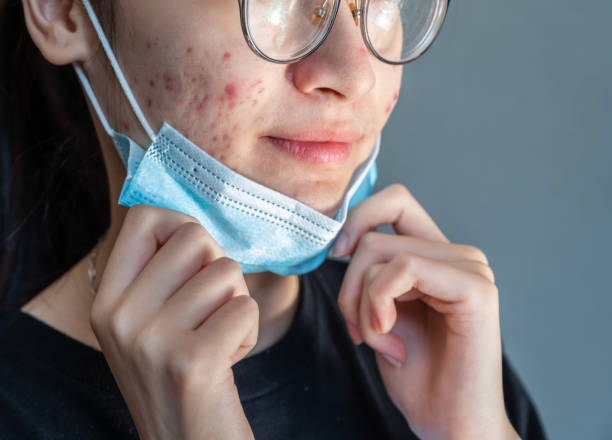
x,y
432,305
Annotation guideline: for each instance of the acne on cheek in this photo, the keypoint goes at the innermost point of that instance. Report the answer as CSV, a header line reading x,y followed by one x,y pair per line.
x,y
203,103
392,103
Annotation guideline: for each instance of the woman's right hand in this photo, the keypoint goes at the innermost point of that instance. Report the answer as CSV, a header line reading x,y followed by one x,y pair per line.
x,y
172,315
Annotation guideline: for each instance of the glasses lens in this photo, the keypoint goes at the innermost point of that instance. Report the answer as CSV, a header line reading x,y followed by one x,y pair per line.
x,y
401,30
287,29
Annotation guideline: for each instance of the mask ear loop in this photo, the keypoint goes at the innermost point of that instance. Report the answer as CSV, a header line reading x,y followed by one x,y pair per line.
x,y
120,77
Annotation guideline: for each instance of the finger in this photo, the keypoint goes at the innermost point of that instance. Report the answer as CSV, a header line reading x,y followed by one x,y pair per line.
x,y
378,247
234,325
188,250
202,295
389,344
467,292
144,230
393,205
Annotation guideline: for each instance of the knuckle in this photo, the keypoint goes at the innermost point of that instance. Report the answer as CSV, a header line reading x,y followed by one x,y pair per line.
x,y
369,276
405,262
485,297
486,271
246,305
193,233
369,241
400,190
138,216
474,253
145,346
182,366
118,324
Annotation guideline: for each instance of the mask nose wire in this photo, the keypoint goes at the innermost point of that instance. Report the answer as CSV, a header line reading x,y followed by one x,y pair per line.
x,y
120,77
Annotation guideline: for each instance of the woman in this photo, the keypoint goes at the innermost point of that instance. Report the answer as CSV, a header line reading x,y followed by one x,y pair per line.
x,y
156,331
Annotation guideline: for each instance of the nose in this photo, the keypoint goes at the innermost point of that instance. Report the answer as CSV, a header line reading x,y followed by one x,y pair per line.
x,y
340,67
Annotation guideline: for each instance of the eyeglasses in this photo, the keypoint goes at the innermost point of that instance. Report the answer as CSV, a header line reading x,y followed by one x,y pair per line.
x,y
395,31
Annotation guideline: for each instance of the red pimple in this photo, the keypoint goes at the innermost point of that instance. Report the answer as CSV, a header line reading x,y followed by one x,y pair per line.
x,y
151,83
388,109
169,82
226,56
225,137
189,49
126,126
260,91
149,102
148,45
214,139
254,102
230,90
200,105
227,147
362,51
395,96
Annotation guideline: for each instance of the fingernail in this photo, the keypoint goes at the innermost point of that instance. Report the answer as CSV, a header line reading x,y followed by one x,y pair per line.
x,y
340,245
392,360
354,333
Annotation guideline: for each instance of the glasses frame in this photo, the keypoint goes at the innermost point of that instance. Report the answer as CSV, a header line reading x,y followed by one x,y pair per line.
x,y
362,11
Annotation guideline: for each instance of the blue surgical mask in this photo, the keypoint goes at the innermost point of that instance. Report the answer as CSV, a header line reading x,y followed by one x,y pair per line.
x,y
260,228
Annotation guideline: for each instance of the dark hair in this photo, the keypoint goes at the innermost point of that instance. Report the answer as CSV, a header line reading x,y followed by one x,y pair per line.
x,y
53,183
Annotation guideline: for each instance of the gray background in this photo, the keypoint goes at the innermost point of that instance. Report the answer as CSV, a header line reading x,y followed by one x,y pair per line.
x,y
503,132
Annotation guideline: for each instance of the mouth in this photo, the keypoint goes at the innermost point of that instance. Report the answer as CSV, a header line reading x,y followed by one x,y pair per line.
x,y
318,147
314,152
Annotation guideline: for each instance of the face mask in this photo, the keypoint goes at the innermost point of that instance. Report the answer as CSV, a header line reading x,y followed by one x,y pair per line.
x,y
260,228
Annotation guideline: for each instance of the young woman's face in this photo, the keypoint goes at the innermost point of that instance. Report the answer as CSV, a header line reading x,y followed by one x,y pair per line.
x,y
188,64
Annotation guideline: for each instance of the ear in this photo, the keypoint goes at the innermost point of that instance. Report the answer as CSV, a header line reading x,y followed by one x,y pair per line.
x,y
60,29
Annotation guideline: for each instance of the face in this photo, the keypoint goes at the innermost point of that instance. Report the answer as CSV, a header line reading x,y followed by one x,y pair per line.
x,y
301,129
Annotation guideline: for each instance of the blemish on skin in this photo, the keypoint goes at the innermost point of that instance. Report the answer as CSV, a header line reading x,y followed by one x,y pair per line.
x,y
254,102
201,103
388,109
225,137
148,45
149,102
362,51
395,96
227,147
222,158
189,49
230,90
214,138
170,82
151,83
255,84
260,91
226,56
126,126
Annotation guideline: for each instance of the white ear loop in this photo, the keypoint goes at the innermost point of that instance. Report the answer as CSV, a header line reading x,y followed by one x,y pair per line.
x,y
120,77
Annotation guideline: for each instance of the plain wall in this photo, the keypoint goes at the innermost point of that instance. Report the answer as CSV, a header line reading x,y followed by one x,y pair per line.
x,y
503,132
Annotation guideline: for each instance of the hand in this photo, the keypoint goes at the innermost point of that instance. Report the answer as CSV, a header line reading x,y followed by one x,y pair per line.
x,y
172,315
433,306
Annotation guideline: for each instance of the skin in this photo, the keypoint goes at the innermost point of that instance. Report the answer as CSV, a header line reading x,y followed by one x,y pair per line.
x,y
189,65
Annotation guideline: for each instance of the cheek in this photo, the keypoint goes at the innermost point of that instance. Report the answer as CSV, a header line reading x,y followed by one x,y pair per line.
x,y
391,103
208,102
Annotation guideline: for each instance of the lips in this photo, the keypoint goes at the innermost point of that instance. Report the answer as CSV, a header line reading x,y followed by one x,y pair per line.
x,y
320,146
320,152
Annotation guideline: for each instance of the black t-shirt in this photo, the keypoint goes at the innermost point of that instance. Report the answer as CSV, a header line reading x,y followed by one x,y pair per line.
x,y
314,383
